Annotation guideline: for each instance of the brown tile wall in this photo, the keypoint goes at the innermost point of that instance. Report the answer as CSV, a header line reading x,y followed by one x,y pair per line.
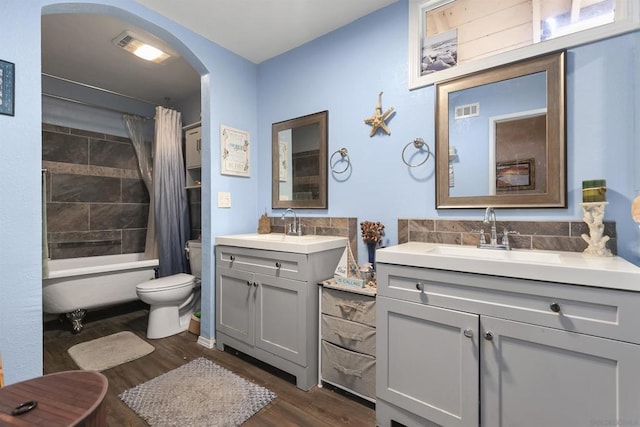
x,y
541,235
97,203
325,226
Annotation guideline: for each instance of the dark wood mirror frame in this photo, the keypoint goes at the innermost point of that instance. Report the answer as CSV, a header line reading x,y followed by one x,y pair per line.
x,y
320,202
555,195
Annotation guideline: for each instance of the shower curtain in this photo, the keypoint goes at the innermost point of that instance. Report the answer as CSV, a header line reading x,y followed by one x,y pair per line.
x,y
170,197
143,147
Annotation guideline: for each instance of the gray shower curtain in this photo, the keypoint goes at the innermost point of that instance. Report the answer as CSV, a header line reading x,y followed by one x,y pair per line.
x,y
143,146
170,197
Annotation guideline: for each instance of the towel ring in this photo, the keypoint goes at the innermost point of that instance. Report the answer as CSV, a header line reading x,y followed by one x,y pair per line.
x,y
419,144
344,156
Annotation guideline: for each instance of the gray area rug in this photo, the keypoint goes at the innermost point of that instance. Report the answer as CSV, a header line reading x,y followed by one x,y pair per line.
x,y
199,393
107,352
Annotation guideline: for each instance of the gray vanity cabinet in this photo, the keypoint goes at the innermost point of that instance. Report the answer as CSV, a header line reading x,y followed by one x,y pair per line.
x,y
460,349
267,306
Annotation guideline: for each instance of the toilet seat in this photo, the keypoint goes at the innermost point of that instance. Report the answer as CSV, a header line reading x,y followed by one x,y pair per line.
x,y
166,283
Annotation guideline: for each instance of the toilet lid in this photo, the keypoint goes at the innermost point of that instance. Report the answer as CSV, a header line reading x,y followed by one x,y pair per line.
x,y
164,283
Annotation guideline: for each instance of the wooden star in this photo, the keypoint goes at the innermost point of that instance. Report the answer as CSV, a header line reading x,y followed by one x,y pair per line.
x,y
377,121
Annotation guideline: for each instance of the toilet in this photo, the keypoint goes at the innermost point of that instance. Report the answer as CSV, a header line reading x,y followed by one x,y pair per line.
x,y
173,299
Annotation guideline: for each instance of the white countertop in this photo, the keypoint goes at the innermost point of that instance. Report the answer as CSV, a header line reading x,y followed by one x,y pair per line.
x,y
306,244
552,266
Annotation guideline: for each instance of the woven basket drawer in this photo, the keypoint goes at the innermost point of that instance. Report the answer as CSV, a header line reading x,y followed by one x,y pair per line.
x,y
352,370
350,306
351,335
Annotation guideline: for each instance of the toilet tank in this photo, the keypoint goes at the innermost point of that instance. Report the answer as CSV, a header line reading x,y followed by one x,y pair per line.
x,y
194,253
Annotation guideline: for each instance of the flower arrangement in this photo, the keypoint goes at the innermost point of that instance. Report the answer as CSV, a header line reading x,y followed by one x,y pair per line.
x,y
372,232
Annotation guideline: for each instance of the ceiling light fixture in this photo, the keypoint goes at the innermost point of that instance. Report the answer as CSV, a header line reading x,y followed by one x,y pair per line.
x,y
134,44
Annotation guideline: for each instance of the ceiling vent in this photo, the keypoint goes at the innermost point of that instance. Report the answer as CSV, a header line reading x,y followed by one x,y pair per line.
x,y
466,111
134,44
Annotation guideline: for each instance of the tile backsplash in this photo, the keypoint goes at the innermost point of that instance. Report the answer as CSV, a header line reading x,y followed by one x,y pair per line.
x,y
541,235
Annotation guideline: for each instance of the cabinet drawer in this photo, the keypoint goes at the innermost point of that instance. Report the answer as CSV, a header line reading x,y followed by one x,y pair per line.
x,y
351,335
272,263
350,306
352,370
602,312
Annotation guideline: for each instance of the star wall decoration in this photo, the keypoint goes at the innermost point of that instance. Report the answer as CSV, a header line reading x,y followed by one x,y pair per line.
x,y
378,120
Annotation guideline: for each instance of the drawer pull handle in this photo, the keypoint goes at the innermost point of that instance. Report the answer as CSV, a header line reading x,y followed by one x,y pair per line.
x,y
249,283
555,307
488,335
420,286
349,337
232,258
350,307
278,265
347,371
468,333
255,284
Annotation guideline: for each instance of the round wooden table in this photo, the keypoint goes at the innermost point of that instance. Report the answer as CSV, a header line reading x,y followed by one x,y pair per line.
x,y
71,398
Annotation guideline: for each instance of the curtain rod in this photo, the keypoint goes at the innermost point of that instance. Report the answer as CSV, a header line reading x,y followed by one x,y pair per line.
x,y
99,88
87,104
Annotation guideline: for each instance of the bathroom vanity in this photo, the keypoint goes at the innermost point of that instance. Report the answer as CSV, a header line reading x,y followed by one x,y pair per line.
x,y
469,337
267,298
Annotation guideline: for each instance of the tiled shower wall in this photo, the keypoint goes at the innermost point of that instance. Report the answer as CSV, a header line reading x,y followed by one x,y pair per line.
x,y
540,235
97,203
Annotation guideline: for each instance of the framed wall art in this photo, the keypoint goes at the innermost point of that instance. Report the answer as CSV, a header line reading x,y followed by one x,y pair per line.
x,y
234,151
515,175
7,88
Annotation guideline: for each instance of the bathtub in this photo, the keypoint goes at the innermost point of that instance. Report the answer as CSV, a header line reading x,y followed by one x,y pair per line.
x,y
75,285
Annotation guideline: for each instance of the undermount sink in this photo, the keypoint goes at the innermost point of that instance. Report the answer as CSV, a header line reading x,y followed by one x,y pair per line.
x,y
305,244
496,254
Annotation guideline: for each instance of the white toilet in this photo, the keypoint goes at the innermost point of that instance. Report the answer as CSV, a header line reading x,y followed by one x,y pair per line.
x,y
173,299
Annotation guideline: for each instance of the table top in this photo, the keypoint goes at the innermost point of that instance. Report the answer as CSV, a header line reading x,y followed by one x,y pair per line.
x,y
64,398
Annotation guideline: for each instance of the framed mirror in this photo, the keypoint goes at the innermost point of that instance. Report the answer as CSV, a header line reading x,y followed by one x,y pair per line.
x,y
500,137
299,162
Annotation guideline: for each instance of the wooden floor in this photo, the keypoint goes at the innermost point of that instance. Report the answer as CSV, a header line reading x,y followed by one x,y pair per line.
x,y
293,407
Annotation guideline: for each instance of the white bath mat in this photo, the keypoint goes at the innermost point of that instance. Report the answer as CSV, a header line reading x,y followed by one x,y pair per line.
x,y
107,352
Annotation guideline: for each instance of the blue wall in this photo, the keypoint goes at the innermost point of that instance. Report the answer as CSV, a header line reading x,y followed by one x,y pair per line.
x,y
343,73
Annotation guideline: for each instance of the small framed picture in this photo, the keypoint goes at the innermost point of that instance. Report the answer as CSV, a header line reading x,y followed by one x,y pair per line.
x,y
234,151
515,175
7,87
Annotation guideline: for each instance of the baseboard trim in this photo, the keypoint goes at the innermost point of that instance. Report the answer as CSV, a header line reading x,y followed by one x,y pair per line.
x,y
206,342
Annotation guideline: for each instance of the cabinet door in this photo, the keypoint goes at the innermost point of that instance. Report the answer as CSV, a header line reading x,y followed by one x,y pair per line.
x,y
235,296
193,146
281,325
427,361
537,376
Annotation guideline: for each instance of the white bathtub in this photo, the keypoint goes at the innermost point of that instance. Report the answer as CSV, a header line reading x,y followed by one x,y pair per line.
x,y
75,285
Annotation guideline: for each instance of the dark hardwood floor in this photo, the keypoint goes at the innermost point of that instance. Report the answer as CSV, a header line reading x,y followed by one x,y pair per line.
x,y
292,407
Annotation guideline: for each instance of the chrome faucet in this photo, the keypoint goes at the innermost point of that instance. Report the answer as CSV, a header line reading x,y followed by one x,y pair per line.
x,y
295,226
490,218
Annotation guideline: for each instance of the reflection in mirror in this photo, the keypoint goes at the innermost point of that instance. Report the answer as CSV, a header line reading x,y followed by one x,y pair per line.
x,y
504,132
299,159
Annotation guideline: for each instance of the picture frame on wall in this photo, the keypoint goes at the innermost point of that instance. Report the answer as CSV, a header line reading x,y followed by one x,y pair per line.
x,y
7,88
235,152
515,175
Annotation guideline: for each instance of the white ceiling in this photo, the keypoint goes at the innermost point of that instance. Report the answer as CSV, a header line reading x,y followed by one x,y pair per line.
x,y
78,46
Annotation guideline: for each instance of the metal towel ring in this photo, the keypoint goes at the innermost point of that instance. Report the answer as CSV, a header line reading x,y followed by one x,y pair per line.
x,y
419,144
344,156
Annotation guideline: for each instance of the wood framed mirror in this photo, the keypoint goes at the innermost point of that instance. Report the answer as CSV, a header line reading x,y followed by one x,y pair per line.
x,y
299,162
501,137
